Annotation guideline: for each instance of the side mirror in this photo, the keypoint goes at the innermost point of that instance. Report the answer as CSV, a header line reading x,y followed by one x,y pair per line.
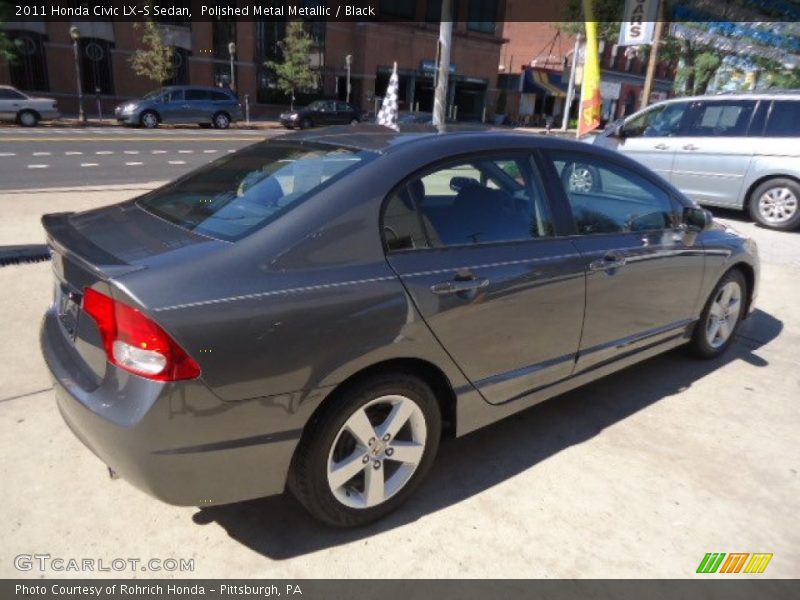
x,y
697,219
618,131
459,183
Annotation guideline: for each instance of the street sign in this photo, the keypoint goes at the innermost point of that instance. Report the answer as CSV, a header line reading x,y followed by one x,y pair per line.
x,y
638,22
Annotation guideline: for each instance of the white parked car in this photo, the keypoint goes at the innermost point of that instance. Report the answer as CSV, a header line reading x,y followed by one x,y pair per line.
x,y
23,109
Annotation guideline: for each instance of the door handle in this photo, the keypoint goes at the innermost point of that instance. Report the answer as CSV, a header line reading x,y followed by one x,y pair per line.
x,y
690,147
608,262
661,147
457,286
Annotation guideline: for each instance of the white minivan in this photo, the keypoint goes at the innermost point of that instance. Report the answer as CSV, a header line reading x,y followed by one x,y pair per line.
x,y
734,151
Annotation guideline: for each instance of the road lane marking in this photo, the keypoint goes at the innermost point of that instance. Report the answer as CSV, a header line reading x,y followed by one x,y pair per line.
x,y
38,166
177,162
72,153
104,152
8,153
185,151
41,154
131,152
229,151
209,151
131,164
159,152
90,164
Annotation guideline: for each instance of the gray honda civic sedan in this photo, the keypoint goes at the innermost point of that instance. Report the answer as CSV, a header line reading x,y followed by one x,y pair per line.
x,y
317,311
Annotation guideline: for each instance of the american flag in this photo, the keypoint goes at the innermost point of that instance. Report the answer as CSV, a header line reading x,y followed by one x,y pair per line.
x,y
387,116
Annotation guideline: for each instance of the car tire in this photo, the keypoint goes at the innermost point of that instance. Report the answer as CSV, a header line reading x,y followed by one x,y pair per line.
x,y
149,120
306,123
775,204
28,118
221,120
351,431
581,178
714,332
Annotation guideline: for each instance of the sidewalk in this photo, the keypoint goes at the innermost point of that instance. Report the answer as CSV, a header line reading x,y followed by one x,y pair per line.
x,y
72,121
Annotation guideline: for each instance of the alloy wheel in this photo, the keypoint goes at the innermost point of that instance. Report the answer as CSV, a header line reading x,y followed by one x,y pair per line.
x,y
376,451
221,121
724,314
27,119
777,205
150,120
581,179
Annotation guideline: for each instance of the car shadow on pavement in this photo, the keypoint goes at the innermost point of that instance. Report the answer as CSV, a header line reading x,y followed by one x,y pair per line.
x,y
279,528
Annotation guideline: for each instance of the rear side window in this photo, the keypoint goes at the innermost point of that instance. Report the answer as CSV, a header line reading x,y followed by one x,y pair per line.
x,y
483,199
240,193
784,119
607,198
728,118
196,95
7,94
220,97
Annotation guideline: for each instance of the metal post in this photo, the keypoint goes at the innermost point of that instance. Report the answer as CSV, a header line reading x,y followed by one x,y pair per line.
x,y
232,51
75,34
247,108
571,87
651,64
445,37
99,106
347,61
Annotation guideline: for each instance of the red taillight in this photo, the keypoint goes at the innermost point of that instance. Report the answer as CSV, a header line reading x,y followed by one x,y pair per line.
x,y
136,343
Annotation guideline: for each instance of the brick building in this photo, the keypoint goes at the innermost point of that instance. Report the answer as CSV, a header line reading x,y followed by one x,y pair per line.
x,y
535,62
45,61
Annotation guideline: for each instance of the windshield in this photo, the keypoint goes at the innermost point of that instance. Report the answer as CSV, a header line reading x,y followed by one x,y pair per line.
x,y
152,95
316,105
240,193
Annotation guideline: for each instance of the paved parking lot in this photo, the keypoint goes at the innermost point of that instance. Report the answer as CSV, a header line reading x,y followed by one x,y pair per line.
x,y
637,475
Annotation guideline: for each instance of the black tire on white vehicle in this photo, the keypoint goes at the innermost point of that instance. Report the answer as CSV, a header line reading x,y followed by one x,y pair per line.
x,y
28,118
776,204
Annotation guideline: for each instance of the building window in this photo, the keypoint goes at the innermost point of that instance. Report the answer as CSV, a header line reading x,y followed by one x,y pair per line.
x,y
482,16
29,63
402,9
180,67
96,71
223,33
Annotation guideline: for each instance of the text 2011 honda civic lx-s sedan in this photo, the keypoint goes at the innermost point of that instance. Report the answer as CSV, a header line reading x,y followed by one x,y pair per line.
x,y
315,312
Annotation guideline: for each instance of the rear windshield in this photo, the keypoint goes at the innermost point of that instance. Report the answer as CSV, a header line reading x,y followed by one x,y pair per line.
x,y
240,193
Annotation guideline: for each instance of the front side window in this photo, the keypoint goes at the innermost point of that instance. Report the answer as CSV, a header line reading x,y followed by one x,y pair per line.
x,y
607,198
242,192
196,95
660,121
784,119
480,200
723,118
174,96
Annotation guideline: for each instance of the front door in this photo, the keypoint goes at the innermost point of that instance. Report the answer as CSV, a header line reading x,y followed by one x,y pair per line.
x,y
651,137
714,152
474,244
644,270
174,107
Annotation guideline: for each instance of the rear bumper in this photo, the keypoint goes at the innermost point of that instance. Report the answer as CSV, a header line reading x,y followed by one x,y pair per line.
x,y
177,441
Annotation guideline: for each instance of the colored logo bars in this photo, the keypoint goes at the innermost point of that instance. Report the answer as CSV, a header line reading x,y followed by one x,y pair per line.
x,y
736,562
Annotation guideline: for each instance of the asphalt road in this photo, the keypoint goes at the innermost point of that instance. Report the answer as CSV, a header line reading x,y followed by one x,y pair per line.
x,y
68,157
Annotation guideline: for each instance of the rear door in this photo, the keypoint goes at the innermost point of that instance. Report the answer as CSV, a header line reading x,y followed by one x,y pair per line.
x,y
474,243
652,137
644,269
714,153
197,106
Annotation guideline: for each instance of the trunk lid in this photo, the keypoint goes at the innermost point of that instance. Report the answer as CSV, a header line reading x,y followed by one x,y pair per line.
x,y
92,249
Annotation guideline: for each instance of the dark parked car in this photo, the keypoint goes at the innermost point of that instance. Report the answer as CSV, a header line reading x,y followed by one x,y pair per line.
x,y
214,106
321,113
317,310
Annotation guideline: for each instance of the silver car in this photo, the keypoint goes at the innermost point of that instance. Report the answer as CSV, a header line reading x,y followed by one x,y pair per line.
x,y
733,151
23,109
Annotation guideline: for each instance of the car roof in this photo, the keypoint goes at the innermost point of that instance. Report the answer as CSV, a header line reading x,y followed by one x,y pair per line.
x,y
195,87
769,95
380,139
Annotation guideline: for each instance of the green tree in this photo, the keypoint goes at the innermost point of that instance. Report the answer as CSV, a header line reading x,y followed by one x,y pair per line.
x,y
294,72
154,60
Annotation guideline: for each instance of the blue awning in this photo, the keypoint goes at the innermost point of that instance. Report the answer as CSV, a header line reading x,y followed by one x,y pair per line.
x,y
543,83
